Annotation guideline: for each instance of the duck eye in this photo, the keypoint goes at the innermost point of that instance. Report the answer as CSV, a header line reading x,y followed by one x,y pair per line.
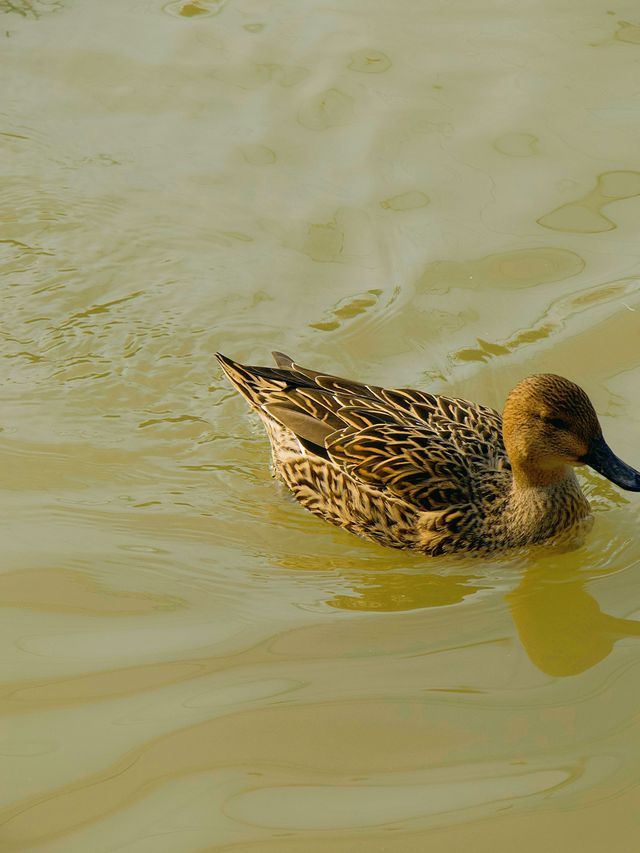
x,y
558,423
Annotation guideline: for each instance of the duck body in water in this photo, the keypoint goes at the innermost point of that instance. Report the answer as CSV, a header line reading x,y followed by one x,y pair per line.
x,y
436,474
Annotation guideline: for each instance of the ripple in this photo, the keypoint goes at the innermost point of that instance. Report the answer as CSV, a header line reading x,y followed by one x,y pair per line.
x,y
556,319
31,8
584,216
347,309
627,32
519,268
406,201
393,592
517,144
347,238
258,155
357,806
67,591
331,108
195,8
369,61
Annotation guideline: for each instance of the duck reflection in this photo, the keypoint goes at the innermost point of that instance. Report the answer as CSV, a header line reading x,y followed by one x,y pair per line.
x,y
376,584
391,592
560,624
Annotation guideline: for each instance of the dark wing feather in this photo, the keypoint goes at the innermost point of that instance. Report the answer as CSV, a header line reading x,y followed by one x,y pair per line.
x,y
413,463
422,448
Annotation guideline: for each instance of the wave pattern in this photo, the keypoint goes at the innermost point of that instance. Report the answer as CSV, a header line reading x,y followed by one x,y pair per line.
x,y
447,201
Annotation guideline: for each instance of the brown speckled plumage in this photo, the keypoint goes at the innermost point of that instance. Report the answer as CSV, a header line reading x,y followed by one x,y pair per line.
x,y
409,469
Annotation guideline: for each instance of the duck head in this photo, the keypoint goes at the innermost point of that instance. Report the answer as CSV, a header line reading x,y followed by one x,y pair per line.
x,y
550,424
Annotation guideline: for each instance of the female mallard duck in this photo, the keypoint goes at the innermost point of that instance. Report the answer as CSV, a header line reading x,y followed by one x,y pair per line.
x,y
416,470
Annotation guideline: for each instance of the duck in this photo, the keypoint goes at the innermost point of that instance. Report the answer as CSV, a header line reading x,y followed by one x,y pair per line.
x,y
427,472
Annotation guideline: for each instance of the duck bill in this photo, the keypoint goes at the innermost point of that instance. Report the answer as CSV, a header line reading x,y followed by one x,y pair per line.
x,y
603,460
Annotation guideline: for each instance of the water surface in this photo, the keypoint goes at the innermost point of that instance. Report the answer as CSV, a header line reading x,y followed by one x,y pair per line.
x,y
420,193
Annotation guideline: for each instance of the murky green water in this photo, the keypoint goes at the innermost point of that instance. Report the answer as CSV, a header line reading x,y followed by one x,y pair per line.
x,y
428,194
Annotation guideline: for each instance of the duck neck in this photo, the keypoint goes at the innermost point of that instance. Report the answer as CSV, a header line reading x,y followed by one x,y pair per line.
x,y
541,506
530,476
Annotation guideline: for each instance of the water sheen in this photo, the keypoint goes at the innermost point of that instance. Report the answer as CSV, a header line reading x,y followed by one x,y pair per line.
x,y
414,193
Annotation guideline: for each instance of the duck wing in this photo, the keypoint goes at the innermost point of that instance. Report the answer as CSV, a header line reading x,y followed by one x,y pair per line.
x,y
424,449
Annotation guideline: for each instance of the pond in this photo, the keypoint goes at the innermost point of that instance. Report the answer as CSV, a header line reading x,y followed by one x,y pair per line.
x,y
422,194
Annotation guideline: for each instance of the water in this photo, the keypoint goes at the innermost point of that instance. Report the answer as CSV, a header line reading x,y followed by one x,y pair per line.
x,y
423,194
